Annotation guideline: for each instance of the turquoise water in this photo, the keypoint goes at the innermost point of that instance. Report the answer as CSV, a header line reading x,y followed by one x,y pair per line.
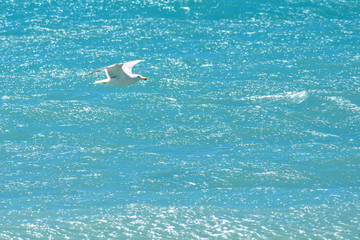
x,y
247,128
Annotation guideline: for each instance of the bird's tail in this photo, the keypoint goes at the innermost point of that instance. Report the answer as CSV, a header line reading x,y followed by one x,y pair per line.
x,y
102,81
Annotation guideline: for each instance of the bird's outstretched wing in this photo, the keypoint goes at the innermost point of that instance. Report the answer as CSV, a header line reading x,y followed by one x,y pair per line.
x,y
115,71
104,68
118,69
129,65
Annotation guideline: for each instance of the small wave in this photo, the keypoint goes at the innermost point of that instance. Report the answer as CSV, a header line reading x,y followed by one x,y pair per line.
x,y
344,103
5,97
294,97
321,134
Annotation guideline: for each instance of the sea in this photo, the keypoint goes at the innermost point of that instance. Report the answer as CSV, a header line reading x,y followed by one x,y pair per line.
x,y
248,126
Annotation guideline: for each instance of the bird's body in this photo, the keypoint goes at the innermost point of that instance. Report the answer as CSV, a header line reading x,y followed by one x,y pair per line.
x,y
120,74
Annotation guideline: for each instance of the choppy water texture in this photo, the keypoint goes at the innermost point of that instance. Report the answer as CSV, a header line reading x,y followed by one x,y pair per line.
x,y
247,128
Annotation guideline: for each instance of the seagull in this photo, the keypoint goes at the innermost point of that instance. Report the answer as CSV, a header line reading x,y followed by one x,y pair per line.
x,y
120,74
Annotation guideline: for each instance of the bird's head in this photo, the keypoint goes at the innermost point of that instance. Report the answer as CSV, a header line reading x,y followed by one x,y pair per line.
x,y
141,77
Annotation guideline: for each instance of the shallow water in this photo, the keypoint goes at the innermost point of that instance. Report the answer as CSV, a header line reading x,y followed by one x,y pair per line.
x,y
247,128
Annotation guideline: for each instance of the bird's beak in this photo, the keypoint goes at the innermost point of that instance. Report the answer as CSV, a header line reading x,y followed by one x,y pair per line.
x,y
144,78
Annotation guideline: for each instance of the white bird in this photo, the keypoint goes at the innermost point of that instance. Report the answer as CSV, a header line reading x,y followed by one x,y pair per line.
x,y
120,74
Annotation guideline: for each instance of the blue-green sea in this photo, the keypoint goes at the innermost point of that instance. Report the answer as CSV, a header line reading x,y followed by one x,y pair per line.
x,y
248,126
